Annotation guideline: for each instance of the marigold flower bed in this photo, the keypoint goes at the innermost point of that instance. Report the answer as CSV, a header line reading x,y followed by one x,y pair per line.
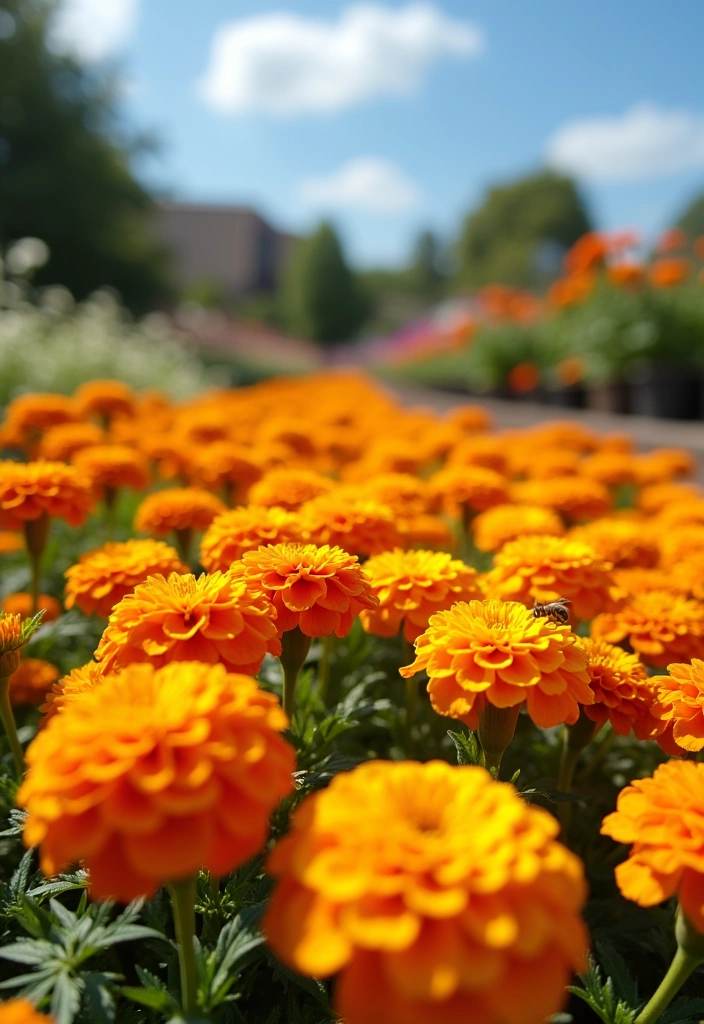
x,y
318,708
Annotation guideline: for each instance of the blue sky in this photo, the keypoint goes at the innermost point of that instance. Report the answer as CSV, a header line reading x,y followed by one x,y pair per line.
x,y
392,116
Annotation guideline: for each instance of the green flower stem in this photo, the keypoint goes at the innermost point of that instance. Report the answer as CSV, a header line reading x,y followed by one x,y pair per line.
x,y
183,904
294,649
497,727
576,738
680,969
110,505
36,534
8,721
184,540
326,646
408,656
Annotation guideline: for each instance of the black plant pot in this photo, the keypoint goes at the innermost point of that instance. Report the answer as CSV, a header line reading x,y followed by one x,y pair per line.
x,y
614,396
572,397
667,390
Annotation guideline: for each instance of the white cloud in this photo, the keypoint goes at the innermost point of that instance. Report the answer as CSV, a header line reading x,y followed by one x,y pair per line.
x,y
368,183
93,29
645,142
284,64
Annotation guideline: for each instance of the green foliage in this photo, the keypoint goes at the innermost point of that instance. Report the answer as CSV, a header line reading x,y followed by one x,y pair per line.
x,y
691,220
516,227
321,298
65,176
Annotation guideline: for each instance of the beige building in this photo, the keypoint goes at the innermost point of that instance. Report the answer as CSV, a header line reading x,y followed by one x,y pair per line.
x,y
228,246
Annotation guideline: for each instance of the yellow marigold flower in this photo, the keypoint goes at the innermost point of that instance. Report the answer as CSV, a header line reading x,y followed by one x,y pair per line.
x,y
105,399
31,681
474,488
577,498
29,490
111,466
29,416
61,442
155,774
543,569
662,464
177,509
103,577
246,529
375,882
663,818
226,464
426,531
16,630
354,524
623,692
410,586
659,625
626,543
10,542
64,692
21,1011
21,604
405,494
497,652
680,703
502,523
216,618
319,589
656,497
288,488
612,468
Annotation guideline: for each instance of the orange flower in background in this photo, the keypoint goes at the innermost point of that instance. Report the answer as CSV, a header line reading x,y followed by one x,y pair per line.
x,y
468,487
570,291
404,494
497,652
660,626
29,490
426,531
288,488
587,253
577,498
410,586
672,240
626,275
225,464
502,523
668,273
68,688
60,443
10,542
639,580
31,682
543,569
626,543
21,1011
245,529
103,577
27,417
524,377
319,589
680,703
354,524
21,604
679,545
470,418
623,693
216,618
111,466
612,468
686,513
437,894
155,774
175,457
662,464
663,817
177,509
569,371
483,450
105,399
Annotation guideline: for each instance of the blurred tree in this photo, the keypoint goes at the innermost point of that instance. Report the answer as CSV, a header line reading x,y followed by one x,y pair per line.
x,y
425,277
65,174
691,221
505,239
322,300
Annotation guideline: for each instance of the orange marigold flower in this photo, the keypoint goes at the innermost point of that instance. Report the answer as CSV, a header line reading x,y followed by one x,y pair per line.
x,y
319,589
426,531
64,692
659,625
468,487
639,580
31,681
623,692
196,766
662,817
354,524
680,703
655,498
497,652
21,604
405,494
544,569
626,275
666,273
29,490
21,1011
112,466
688,576
502,523
245,529
229,465
10,542
470,418
662,464
27,417
523,377
588,252
612,468
105,398
177,509
488,451
288,488
681,544
103,577
569,371
375,883
61,442
180,618
410,586
577,498
686,513
624,542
